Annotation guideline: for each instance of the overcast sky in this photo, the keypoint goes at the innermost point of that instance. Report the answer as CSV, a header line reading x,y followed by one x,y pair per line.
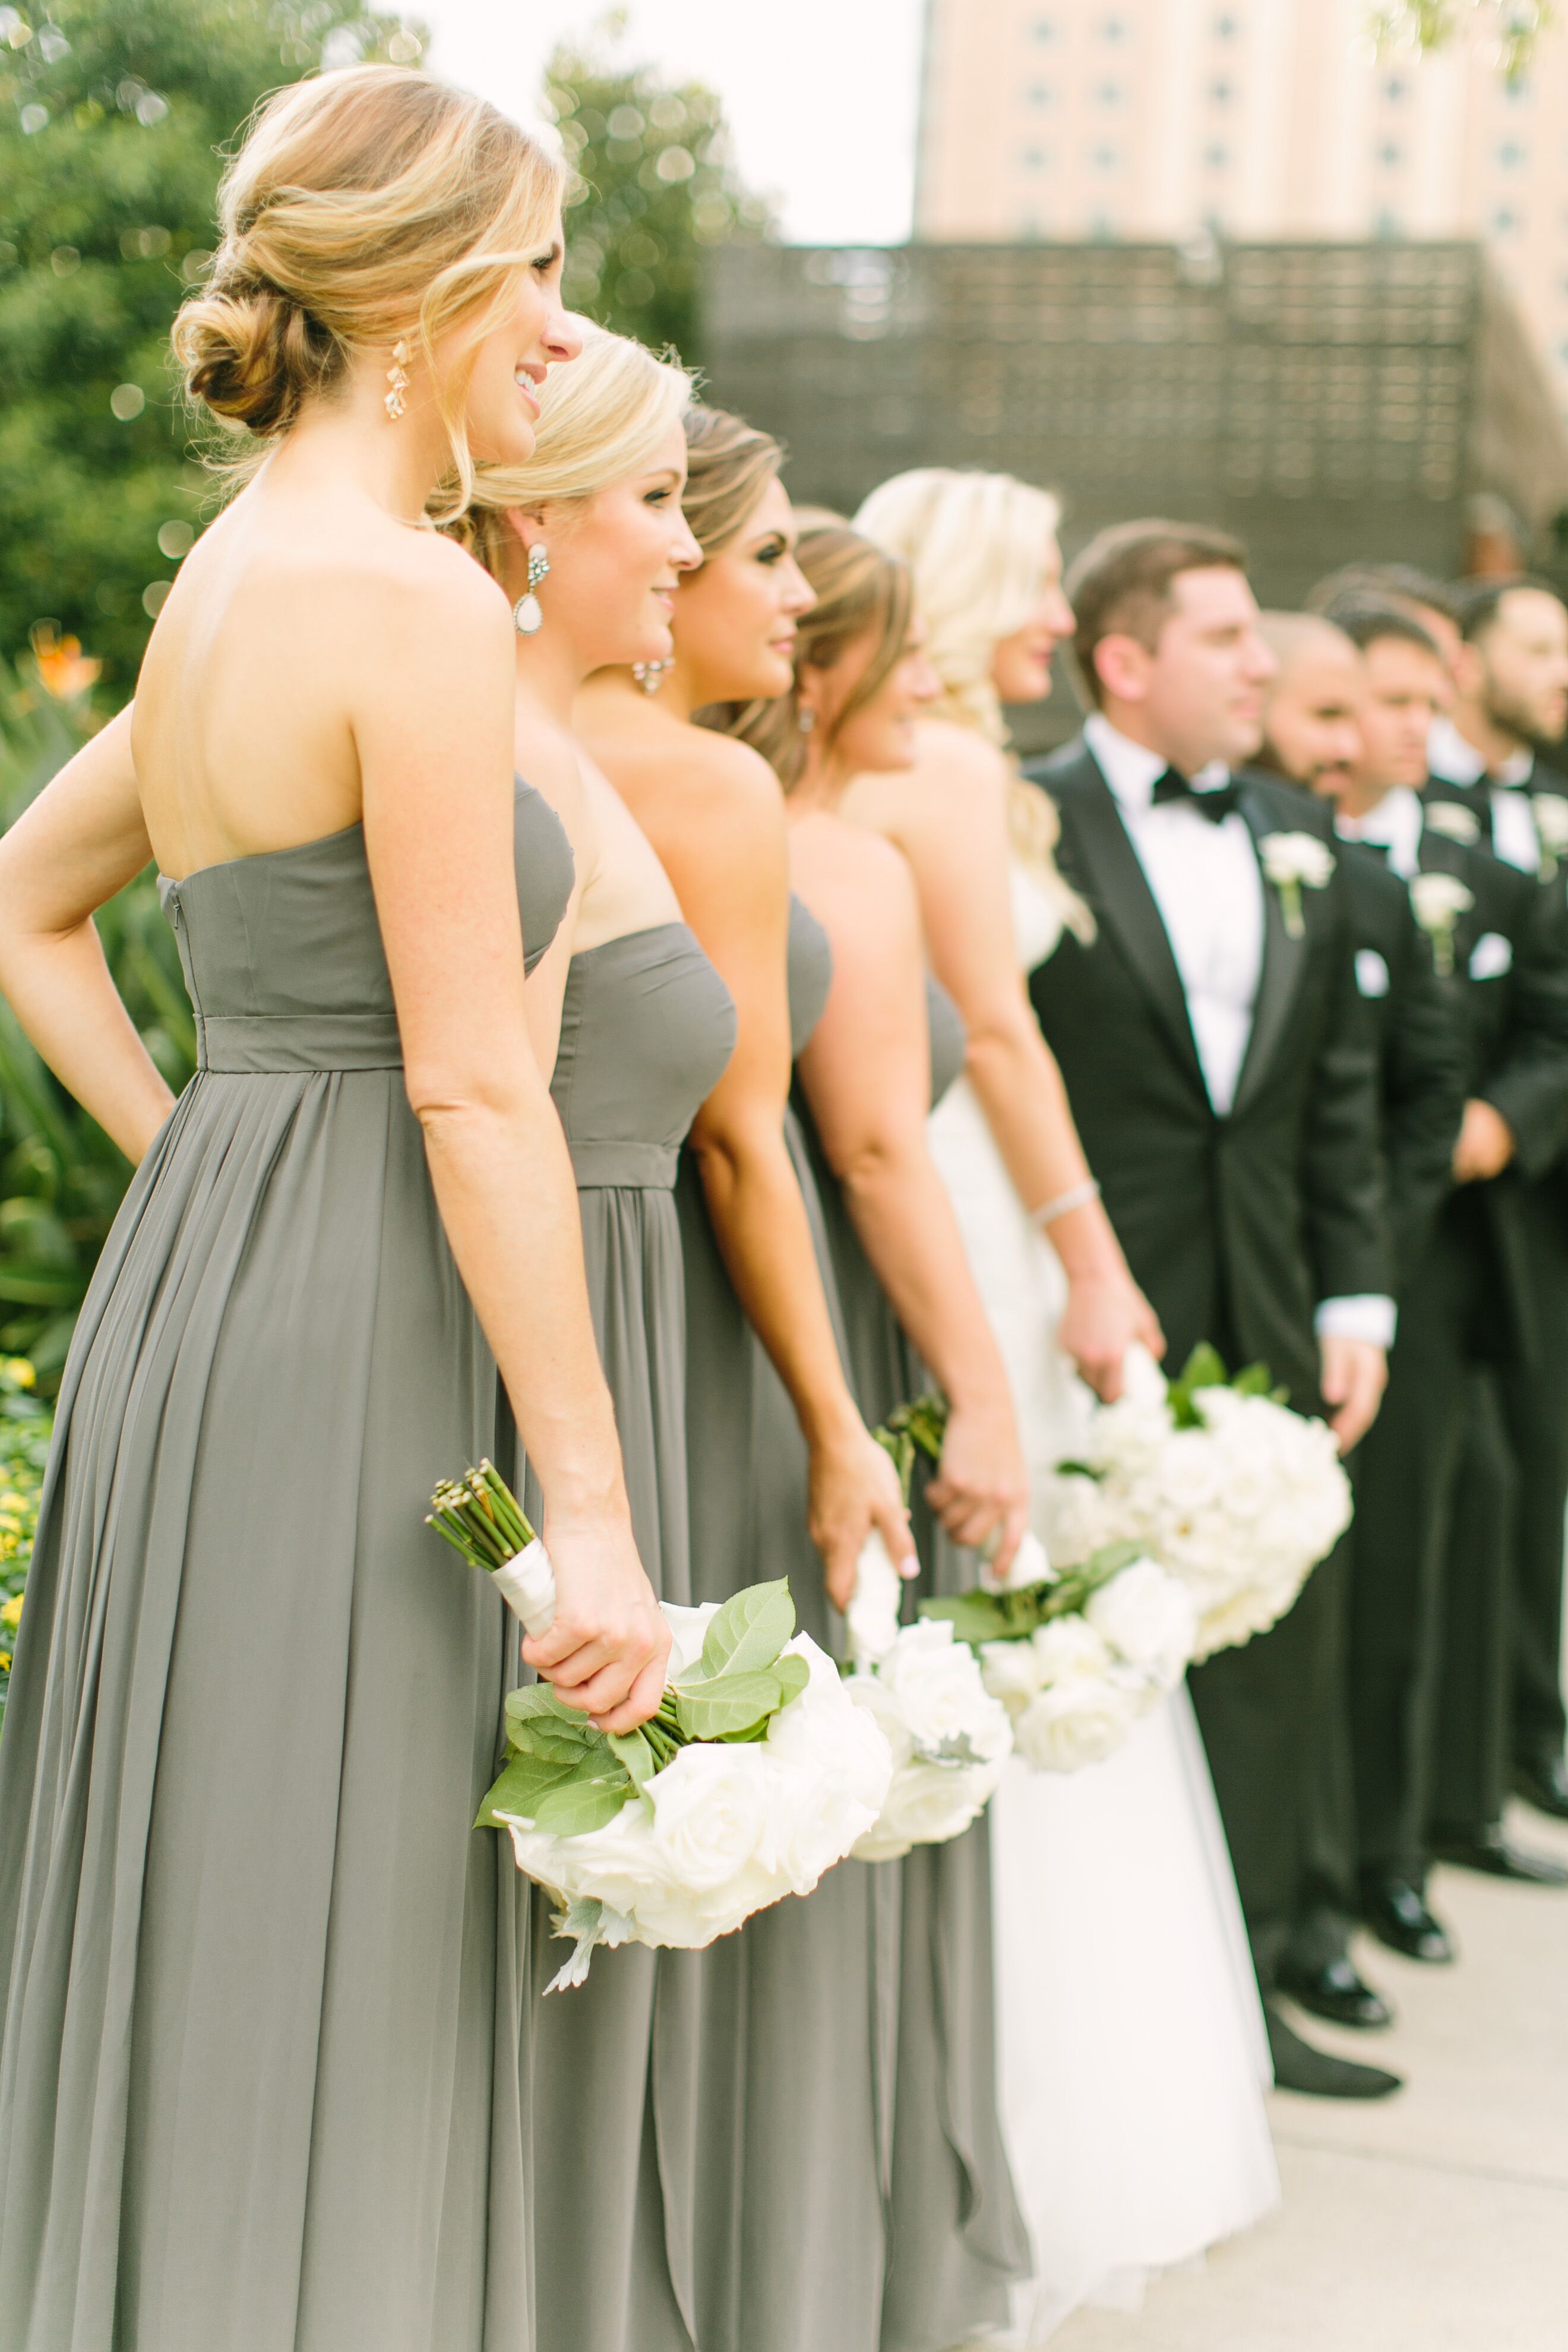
x,y
821,94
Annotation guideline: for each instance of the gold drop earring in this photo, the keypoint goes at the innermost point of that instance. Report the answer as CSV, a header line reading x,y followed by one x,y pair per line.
x,y
397,377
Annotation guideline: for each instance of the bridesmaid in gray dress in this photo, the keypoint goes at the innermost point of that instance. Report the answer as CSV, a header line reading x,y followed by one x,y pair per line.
x,y
888,1044
641,1027
790,2248
263,2076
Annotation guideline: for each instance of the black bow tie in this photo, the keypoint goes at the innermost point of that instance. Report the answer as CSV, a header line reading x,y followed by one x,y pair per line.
x,y
1217,805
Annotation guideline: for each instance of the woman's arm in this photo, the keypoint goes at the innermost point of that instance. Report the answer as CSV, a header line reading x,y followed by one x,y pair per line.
x,y
866,1072
949,817
82,839
721,840
432,721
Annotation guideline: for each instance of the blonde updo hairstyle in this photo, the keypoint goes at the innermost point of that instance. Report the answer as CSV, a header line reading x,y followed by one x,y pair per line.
x,y
602,420
365,207
861,591
979,547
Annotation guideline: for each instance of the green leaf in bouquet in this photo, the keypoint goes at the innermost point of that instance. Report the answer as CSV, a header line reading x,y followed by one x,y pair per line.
x,y
633,1751
728,1707
588,1798
748,1633
523,1781
1205,1369
1067,1598
537,1703
975,1617
793,1674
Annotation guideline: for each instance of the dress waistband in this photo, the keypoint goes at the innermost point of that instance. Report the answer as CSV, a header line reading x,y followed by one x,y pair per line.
x,y
257,1043
639,1167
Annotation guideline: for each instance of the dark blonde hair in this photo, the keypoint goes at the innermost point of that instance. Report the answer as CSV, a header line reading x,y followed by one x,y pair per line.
x,y
366,206
861,591
729,466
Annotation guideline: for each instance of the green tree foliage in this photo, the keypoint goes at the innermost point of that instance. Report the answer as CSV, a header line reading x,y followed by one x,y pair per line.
x,y
652,184
1511,28
114,117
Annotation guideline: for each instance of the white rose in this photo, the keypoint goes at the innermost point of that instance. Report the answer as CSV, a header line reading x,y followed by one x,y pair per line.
x,y
710,1810
1296,857
936,1684
1068,1649
1078,1721
927,1804
1149,1618
1550,819
871,1692
873,1615
1010,1670
815,1817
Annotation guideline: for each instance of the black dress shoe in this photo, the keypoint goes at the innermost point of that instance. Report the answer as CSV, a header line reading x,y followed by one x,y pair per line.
x,y
1543,1781
1337,1992
1299,2067
1493,1852
1397,1914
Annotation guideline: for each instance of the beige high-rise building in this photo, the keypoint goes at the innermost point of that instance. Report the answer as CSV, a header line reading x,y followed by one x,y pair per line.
x,y
1151,118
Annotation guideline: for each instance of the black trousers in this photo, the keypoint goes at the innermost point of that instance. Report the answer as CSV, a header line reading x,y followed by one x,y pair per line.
x,y
1410,1469
1535,1420
1470,1770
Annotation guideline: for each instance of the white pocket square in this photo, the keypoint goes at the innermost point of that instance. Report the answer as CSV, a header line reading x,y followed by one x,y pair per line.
x,y
1371,972
1491,956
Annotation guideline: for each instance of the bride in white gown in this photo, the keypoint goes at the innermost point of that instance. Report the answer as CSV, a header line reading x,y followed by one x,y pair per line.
x,y
1131,2050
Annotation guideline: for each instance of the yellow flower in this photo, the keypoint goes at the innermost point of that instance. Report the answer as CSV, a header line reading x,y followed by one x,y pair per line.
x,y
21,1372
5,1662
10,1614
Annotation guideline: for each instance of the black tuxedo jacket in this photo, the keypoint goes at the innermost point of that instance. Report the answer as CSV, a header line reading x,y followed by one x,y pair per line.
x,y
1511,1003
1235,1226
1419,1039
1477,799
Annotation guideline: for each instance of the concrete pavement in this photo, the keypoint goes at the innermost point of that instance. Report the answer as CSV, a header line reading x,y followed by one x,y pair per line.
x,y
1433,2221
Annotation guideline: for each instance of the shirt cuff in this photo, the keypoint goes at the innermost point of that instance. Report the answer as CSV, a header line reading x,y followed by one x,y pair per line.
x,y
1366,1316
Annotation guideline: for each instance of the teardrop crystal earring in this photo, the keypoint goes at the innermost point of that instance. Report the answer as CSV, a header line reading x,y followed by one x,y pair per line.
x,y
397,377
650,676
528,613
805,721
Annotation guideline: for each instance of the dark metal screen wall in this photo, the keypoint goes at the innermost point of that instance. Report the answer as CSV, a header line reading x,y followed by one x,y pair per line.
x,y
1326,402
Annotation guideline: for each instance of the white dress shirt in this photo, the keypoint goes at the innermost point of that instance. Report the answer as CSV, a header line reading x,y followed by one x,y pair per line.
x,y
1206,882
1394,824
1448,755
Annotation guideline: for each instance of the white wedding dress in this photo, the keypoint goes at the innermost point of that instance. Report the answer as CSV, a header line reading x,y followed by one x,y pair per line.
x,y
1131,2051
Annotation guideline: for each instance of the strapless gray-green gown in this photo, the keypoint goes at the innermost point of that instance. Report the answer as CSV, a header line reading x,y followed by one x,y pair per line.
x,y
646,1029
263,2078
956,2238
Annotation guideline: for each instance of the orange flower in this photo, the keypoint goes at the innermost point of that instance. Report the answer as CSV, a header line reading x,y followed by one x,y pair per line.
x,y
65,669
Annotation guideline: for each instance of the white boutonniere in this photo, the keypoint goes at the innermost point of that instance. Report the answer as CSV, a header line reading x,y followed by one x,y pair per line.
x,y
1550,813
1438,901
1454,821
1294,861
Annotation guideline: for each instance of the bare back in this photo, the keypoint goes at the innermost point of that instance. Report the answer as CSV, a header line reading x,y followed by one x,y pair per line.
x,y
276,639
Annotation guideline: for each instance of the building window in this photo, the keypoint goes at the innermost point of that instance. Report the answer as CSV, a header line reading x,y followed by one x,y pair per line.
x,y
1036,158
1396,91
1510,154
1105,158
1109,93
1389,224
1222,93
1216,157
1043,29
1041,94
1504,223
1112,29
1388,154
1226,28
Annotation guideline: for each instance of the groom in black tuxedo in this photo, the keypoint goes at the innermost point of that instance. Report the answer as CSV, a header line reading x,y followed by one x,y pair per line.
x,y
1224,1082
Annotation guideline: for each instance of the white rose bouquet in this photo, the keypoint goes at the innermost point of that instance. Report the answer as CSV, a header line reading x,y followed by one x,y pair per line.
x,y
1076,1658
757,1773
1217,1480
949,1737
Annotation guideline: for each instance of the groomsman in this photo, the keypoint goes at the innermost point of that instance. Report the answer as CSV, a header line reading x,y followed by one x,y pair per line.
x,y
1466,1305
1312,737
1511,681
1219,1068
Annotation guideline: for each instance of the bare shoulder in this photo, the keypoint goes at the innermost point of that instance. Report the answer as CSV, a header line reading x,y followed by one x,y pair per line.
x,y
854,878
416,579
955,774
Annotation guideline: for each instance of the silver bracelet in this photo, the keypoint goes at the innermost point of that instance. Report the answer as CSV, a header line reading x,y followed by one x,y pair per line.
x,y
1079,1197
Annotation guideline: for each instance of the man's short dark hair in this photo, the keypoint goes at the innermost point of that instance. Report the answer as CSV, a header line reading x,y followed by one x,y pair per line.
x,y
1383,584
1120,583
1371,621
1479,602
